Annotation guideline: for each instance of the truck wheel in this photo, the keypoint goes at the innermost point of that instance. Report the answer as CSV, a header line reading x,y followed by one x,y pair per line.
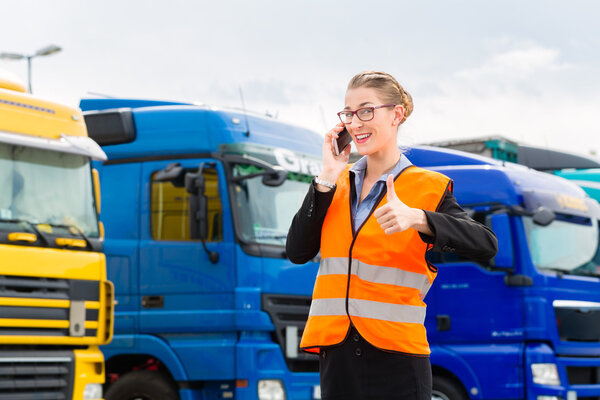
x,y
446,389
142,385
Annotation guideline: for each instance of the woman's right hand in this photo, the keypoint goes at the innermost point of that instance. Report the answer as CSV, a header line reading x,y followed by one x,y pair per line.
x,y
333,165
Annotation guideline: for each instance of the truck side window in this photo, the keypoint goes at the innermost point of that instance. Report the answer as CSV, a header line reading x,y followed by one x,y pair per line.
x,y
169,209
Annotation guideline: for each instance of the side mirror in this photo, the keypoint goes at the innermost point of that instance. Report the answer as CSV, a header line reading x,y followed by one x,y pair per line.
x,y
198,207
500,224
275,178
543,216
96,182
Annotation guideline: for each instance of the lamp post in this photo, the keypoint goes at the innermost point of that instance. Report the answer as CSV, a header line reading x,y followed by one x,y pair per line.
x,y
46,51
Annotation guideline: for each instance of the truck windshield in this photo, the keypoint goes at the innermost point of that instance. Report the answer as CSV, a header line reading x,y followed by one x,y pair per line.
x,y
568,245
46,187
265,213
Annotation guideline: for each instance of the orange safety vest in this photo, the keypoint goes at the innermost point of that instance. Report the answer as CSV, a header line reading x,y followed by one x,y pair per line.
x,y
374,280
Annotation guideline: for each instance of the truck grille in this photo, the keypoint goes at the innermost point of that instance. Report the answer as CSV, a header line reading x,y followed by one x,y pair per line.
x,y
583,375
46,375
290,311
49,307
577,321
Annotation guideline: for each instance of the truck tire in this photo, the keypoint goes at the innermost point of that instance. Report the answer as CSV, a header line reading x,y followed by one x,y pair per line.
x,y
142,385
447,389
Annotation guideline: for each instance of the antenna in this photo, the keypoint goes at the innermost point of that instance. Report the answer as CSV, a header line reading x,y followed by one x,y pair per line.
x,y
323,117
247,133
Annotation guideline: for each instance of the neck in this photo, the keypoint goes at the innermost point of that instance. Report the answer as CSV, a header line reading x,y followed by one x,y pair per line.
x,y
383,161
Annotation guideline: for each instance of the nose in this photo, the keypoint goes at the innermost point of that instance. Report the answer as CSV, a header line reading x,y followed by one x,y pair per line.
x,y
356,123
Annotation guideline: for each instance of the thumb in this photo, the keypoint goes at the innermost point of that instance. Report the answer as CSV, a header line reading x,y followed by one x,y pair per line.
x,y
391,190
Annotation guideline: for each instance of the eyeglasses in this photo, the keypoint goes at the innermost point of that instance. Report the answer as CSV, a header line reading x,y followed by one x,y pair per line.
x,y
363,113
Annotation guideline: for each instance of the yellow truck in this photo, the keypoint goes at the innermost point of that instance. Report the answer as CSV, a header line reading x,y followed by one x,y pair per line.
x,y
56,305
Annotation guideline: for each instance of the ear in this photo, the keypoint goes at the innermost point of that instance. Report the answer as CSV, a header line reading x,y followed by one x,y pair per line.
x,y
399,110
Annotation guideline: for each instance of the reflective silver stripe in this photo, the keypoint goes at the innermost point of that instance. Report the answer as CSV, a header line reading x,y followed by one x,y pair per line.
x,y
333,266
375,273
327,307
368,309
386,311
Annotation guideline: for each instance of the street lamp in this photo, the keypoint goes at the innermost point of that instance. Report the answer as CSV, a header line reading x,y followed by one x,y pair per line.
x,y
46,51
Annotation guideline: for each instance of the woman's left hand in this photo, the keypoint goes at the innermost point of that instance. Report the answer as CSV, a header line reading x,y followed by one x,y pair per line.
x,y
396,216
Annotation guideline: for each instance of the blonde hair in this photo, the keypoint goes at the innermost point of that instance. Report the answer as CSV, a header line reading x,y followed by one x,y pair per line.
x,y
389,89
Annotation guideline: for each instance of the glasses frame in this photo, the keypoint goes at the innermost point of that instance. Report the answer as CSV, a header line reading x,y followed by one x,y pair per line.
x,y
355,112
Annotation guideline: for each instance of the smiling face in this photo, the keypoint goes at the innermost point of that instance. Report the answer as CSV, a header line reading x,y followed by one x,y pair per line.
x,y
379,134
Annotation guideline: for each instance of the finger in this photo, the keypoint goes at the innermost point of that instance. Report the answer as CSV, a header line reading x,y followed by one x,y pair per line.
x,y
389,231
388,225
395,229
337,129
386,221
381,211
391,190
385,218
347,151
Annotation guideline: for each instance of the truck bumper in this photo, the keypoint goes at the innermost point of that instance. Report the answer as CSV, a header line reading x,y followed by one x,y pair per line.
x,y
34,373
579,376
258,361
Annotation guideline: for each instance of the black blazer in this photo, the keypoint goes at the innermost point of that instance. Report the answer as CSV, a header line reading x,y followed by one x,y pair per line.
x,y
454,230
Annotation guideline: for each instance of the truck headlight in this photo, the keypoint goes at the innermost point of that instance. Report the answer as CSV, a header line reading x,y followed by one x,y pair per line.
x,y
271,389
92,391
545,374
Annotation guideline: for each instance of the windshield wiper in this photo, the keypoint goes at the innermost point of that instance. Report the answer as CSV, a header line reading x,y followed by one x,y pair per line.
x,y
583,272
72,228
32,225
559,271
271,237
586,272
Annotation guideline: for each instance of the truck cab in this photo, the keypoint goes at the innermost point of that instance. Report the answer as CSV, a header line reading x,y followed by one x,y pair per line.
x,y
527,324
198,201
55,301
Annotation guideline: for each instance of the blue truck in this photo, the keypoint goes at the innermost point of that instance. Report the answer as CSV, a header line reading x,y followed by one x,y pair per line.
x,y
197,202
579,168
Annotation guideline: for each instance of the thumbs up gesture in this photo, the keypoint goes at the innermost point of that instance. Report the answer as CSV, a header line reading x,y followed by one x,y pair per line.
x,y
396,216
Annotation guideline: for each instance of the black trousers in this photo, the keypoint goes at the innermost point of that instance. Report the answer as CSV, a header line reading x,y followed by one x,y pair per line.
x,y
356,370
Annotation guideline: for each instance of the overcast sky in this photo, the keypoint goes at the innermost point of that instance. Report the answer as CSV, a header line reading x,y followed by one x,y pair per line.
x,y
528,70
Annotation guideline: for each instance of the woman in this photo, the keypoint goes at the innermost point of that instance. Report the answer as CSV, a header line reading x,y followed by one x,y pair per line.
x,y
373,223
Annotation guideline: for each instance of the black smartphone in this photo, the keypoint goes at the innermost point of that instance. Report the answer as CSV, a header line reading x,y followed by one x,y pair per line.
x,y
344,139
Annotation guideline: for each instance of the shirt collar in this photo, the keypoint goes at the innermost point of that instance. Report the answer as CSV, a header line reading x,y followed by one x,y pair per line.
x,y
360,166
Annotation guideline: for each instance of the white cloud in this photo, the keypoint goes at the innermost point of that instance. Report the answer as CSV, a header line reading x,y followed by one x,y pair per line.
x,y
519,63
524,92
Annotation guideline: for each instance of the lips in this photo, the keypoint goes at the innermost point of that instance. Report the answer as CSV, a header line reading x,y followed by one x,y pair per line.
x,y
362,137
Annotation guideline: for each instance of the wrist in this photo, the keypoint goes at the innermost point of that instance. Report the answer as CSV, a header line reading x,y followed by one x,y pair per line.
x,y
421,223
328,176
419,219
323,185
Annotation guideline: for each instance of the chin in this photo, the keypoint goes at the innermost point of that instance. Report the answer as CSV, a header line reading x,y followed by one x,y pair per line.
x,y
365,151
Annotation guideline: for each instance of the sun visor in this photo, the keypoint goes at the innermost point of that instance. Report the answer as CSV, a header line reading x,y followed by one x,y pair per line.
x,y
562,203
108,127
81,145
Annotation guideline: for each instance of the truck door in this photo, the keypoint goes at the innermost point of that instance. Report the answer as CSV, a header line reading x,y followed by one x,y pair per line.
x,y
181,290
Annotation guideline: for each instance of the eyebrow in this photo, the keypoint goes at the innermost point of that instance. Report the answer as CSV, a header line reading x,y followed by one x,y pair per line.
x,y
360,105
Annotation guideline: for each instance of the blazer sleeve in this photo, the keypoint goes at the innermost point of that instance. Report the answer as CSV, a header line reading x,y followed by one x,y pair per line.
x,y
304,237
455,232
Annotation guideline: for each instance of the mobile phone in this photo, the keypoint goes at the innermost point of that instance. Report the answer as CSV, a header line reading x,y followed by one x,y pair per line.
x,y
344,139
